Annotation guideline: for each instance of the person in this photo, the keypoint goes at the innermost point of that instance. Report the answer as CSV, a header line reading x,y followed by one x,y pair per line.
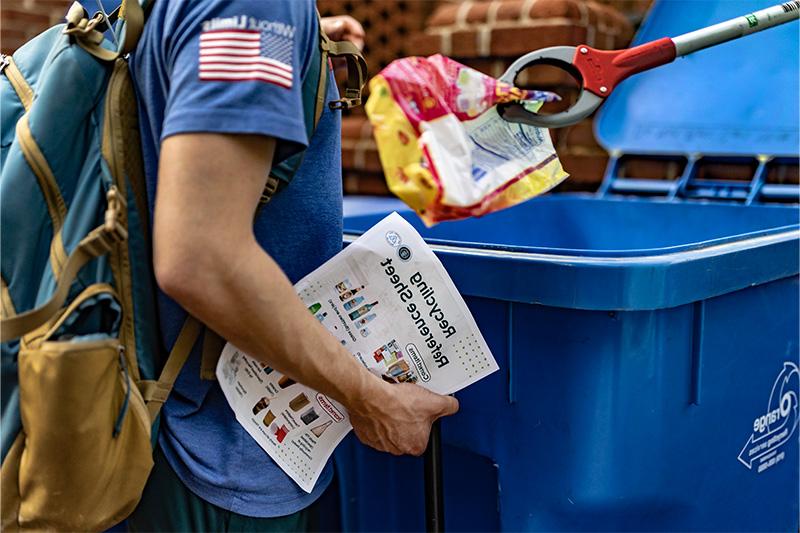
x,y
211,129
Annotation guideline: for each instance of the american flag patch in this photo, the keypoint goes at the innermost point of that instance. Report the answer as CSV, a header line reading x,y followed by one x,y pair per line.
x,y
239,55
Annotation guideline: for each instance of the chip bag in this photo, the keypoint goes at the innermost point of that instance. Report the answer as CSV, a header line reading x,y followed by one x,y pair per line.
x,y
445,150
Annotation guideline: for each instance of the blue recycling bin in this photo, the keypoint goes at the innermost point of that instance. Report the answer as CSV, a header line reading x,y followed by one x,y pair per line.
x,y
647,336
641,345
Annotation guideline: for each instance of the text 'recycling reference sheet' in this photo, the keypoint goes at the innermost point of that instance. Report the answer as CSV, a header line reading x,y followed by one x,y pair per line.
x,y
389,301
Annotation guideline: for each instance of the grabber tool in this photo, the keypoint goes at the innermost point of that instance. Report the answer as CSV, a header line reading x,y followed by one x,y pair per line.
x,y
600,71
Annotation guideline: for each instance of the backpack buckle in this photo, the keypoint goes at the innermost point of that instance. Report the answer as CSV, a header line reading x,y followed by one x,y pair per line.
x,y
352,98
80,26
113,226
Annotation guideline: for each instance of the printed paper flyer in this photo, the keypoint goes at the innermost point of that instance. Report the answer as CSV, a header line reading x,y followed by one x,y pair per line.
x,y
389,301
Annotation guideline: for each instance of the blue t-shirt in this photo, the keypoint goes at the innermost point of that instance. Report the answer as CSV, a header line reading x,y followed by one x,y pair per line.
x,y
238,67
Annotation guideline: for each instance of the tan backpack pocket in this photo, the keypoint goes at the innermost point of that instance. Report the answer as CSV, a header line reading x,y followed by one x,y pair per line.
x,y
87,451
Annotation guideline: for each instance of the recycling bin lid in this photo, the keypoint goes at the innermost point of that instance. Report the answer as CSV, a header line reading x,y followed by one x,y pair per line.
x,y
737,98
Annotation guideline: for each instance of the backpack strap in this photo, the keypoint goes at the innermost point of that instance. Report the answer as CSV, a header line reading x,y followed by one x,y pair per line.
x,y
212,348
7,308
155,393
98,242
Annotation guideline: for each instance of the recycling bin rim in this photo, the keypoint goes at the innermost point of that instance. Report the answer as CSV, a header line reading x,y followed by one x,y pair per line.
x,y
616,258
609,257
649,279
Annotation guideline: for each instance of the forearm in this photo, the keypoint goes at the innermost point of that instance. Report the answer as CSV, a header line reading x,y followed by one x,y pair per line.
x,y
207,259
248,300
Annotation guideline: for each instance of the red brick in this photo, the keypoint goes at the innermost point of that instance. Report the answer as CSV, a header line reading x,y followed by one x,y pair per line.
x,y
10,44
629,8
10,34
23,18
464,43
512,42
570,9
361,155
743,171
783,173
580,135
584,168
365,183
513,34
478,12
425,44
656,169
444,15
371,160
509,10
356,128
36,7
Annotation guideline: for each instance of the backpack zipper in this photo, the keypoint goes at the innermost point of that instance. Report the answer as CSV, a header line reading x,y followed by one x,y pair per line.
x,y
123,365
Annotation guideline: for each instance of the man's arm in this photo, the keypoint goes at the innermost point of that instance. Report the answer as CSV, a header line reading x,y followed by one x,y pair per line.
x,y
208,260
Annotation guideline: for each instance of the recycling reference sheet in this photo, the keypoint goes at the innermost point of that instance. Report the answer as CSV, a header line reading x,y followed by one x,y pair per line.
x,y
389,301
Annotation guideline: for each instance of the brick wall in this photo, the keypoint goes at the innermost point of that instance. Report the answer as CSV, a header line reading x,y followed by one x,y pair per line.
x,y
388,25
20,20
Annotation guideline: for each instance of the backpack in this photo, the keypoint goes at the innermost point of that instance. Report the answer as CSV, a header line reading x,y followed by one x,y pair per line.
x,y
83,371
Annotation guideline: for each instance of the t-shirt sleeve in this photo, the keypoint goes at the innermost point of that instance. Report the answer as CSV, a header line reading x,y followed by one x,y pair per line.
x,y
237,67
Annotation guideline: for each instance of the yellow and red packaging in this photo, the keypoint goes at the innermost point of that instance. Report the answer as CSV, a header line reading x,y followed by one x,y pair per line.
x,y
445,150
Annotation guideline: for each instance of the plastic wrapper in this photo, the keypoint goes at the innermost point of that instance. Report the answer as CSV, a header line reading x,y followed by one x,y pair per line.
x,y
445,150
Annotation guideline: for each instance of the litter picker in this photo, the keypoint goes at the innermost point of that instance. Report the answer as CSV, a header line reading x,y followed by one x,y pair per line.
x,y
600,71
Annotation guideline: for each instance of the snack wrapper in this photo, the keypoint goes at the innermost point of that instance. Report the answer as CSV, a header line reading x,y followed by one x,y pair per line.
x,y
445,150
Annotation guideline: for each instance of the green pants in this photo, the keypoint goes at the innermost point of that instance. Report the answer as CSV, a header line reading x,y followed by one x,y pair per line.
x,y
167,505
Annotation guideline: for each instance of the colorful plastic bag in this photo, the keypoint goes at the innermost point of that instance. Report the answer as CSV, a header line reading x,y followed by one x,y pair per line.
x,y
445,150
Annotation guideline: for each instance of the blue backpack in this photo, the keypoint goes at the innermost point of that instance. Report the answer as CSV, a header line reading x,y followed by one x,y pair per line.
x,y
83,371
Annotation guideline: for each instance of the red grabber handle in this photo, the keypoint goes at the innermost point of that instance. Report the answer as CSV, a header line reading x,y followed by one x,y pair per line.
x,y
602,70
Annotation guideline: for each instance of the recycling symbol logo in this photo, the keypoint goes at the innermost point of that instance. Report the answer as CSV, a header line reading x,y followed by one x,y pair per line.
x,y
777,425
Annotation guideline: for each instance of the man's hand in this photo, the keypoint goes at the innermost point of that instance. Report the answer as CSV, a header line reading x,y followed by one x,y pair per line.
x,y
400,421
344,28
